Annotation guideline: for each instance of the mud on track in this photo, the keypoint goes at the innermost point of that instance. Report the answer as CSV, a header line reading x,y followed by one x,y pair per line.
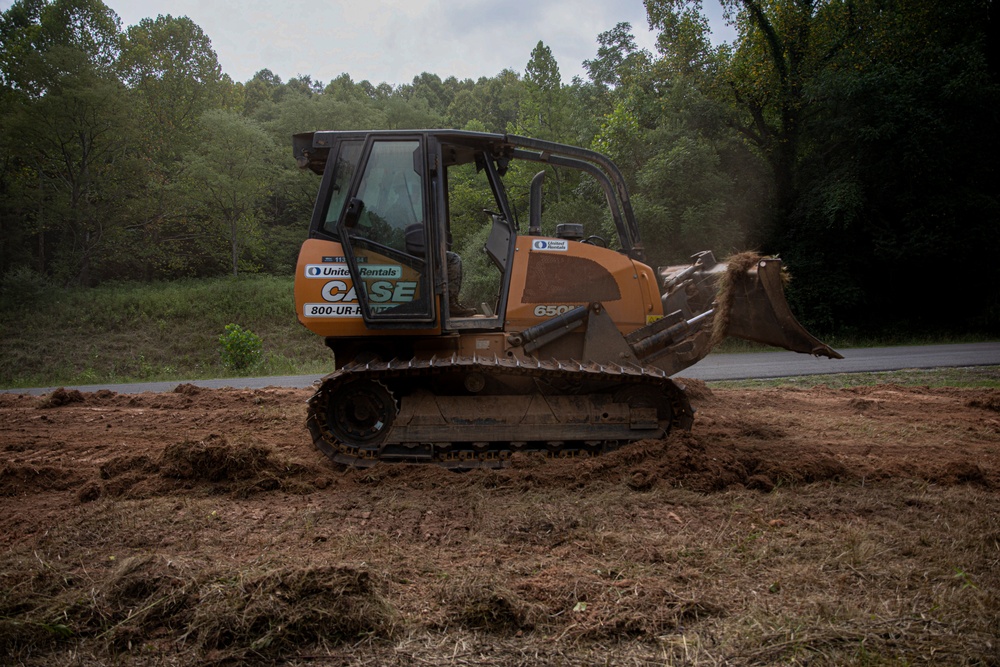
x,y
791,526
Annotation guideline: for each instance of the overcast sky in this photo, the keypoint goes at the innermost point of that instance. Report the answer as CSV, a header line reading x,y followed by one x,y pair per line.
x,y
395,40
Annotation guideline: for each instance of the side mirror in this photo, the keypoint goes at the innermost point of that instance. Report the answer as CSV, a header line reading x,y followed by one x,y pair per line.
x,y
353,212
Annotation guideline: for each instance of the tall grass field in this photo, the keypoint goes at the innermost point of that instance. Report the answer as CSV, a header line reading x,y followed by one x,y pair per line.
x,y
132,332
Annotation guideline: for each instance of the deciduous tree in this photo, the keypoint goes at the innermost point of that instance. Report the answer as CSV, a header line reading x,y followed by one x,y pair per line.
x,y
226,179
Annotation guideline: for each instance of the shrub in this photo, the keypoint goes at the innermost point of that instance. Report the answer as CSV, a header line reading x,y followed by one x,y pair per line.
x,y
241,348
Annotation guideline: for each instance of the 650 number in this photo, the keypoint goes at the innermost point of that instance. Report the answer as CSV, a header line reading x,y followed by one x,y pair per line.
x,y
550,311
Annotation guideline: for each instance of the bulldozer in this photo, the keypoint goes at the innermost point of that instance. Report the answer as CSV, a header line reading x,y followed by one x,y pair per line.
x,y
569,339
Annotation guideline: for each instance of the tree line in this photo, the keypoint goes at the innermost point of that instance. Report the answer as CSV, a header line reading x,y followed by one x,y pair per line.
x,y
854,138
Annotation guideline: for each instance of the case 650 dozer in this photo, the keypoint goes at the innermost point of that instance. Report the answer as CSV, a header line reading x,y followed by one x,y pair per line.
x,y
571,344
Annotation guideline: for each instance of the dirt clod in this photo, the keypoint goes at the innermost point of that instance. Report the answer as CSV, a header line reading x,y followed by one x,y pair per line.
x,y
61,397
212,459
187,389
987,401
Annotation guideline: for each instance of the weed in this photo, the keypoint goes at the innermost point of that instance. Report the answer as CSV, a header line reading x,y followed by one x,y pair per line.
x,y
965,578
242,349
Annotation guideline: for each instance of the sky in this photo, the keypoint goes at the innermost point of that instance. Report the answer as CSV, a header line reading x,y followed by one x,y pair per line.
x,y
395,40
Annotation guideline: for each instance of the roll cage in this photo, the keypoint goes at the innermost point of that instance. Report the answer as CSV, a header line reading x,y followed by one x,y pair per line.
x,y
312,150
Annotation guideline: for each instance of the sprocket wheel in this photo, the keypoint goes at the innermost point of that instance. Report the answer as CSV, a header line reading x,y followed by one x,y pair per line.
x,y
361,412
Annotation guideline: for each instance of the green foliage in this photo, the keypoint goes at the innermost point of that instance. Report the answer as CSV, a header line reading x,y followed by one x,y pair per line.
x,y
544,113
241,349
123,332
170,63
615,57
684,201
481,283
226,179
854,138
850,138
893,184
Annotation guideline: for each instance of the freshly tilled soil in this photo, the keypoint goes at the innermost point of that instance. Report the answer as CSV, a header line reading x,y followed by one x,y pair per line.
x,y
790,526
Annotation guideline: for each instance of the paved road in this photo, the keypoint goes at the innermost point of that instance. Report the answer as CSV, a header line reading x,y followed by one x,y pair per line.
x,y
858,360
712,367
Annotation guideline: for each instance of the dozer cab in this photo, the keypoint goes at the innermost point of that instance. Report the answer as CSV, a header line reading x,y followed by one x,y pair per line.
x,y
559,343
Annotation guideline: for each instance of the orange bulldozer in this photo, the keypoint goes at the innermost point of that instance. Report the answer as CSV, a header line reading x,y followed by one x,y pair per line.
x,y
561,343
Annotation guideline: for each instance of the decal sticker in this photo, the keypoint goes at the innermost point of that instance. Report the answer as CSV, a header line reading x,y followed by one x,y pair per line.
x,y
327,271
340,271
550,245
331,310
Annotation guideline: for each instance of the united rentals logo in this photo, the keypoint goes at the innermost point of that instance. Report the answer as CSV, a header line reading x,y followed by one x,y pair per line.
x,y
340,271
550,245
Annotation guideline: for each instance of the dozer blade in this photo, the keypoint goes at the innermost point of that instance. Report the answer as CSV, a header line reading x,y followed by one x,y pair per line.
x,y
708,300
751,305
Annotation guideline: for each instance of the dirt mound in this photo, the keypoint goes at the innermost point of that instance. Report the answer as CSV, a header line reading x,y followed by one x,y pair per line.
x,y
127,463
483,603
187,389
961,472
696,390
684,460
211,465
61,397
986,400
214,460
406,476
261,614
239,470
289,608
18,480
606,606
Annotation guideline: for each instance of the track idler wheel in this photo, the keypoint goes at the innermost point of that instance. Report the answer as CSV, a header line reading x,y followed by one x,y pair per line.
x,y
361,412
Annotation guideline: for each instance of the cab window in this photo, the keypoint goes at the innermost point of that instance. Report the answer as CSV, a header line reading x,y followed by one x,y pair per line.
x,y
387,233
343,172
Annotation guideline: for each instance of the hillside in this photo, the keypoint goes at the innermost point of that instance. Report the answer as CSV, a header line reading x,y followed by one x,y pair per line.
x,y
159,331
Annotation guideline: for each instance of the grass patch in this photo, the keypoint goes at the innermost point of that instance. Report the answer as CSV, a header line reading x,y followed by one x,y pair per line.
x,y
161,331
971,377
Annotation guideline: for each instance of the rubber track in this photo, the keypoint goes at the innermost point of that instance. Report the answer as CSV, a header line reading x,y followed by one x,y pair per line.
x,y
387,371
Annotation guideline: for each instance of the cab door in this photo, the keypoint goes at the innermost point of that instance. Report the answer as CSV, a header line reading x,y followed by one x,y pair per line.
x,y
386,234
